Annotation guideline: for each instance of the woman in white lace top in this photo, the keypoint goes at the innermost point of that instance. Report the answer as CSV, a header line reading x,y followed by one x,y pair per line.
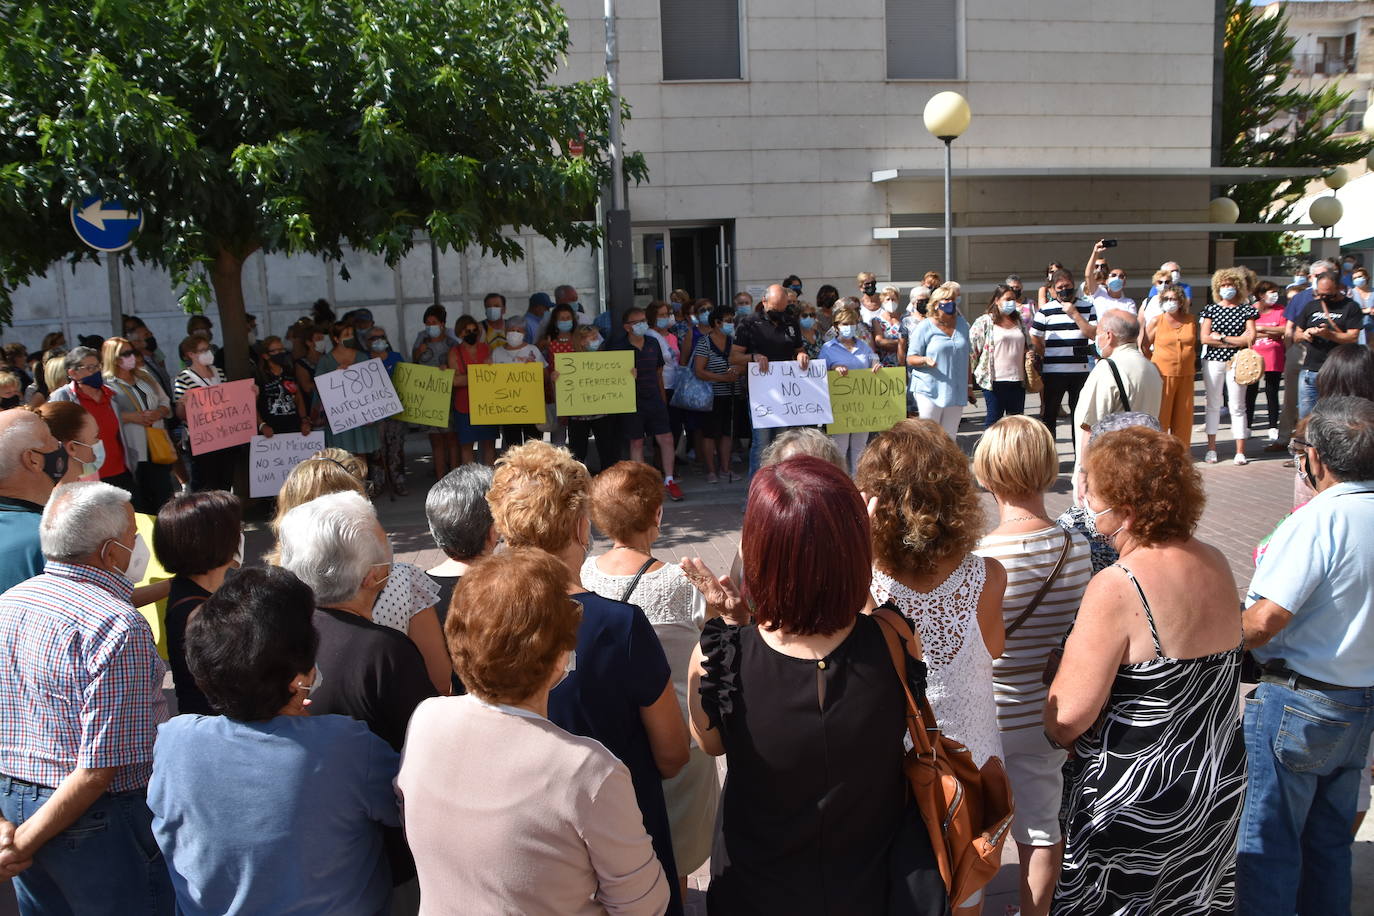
x,y
627,506
926,522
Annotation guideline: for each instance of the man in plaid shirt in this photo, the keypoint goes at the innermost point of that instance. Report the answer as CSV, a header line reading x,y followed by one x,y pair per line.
x,y
80,702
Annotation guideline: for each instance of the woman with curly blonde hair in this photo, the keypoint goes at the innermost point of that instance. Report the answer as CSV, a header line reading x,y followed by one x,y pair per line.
x,y
1226,327
927,520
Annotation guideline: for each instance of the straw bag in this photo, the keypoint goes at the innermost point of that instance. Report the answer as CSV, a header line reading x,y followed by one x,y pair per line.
x,y
967,810
1034,383
1247,366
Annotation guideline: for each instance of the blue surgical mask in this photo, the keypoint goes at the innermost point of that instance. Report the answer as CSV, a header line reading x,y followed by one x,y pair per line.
x,y
594,344
743,311
807,322
727,328
948,306
1115,283
1360,281
564,325
847,331
639,328
662,322
433,331
1008,308
1227,292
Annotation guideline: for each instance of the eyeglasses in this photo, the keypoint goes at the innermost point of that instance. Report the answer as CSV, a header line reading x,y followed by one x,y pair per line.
x,y
1298,447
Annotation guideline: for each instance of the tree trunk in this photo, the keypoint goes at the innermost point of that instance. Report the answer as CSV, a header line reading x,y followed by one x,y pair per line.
x,y
226,276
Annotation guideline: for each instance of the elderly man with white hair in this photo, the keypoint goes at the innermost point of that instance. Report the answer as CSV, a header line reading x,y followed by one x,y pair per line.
x,y
31,463
81,699
1123,380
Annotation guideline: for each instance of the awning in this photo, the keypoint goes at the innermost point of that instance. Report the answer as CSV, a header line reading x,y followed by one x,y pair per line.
x,y
1217,175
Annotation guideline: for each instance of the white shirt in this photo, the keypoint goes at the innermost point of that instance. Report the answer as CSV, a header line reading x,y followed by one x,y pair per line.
x,y
1104,302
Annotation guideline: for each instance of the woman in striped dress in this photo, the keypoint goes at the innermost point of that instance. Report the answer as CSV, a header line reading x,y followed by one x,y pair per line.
x,y
1146,694
1016,461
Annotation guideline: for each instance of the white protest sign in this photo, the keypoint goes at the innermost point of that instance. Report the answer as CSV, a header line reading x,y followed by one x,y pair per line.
x,y
789,395
270,461
358,395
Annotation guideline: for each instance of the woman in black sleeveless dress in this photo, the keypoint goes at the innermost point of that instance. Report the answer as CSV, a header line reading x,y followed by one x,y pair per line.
x,y
807,706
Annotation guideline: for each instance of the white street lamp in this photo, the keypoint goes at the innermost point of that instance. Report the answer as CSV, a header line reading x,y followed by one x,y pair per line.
x,y
1326,212
1223,210
947,116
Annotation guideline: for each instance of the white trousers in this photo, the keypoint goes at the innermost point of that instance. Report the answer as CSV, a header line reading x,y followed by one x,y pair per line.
x,y
851,446
948,417
1214,375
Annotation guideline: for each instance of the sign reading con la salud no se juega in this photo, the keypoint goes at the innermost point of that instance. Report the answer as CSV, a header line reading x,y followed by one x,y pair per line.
x,y
357,395
788,395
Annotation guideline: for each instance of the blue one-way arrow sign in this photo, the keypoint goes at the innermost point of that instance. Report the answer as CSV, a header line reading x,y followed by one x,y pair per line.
x,y
105,225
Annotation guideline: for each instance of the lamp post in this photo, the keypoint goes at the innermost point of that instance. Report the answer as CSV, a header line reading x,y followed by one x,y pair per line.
x,y
947,116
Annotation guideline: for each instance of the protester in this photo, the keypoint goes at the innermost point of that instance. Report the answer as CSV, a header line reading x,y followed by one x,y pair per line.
x,y
537,316
1123,379
1310,623
1173,336
549,821
1152,829
1270,336
605,427
889,333
81,694
493,327
281,404
627,506
1226,326
805,703
11,388
711,362
650,417
143,408
925,524
202,327
1062,334
812,339
233,838
939,352
344,353
1017,462
198,538
32,462
308,343
408,600
460,523
471,350
372,673
209,470
795,441
77,432
112,455
387,465
845,353
659,317
1106,288
998,342
1328,320
621,692
826,298
431,348
515,349
773,335
1300,296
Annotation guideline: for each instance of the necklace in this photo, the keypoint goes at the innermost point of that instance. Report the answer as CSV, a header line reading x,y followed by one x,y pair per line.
x,y
1025,518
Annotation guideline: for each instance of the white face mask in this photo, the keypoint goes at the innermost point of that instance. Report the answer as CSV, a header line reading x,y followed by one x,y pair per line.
x,y
1170,306
1173,276
890,306
206,357
515,338
1008,308
127,362
1227,292
321,345
1272,297
139,555
252,336
91,468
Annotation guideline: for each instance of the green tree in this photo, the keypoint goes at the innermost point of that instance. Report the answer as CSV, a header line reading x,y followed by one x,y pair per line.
x,y
297,126
1265,125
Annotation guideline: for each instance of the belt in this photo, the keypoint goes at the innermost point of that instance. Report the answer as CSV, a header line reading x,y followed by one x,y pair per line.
x,y
24,783
1290,678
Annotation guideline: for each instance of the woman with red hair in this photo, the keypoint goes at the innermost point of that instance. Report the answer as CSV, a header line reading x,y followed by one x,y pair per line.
x,y
805,702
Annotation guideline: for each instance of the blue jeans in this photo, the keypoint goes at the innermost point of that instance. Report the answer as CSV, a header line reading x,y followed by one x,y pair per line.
x,y
1306,750
1307,392
105,862
762,438
1003,399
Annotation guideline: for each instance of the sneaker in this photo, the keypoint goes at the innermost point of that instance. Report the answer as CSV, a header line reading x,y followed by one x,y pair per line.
x,y
674,490
712,478
1273,434
1241,459
1210,457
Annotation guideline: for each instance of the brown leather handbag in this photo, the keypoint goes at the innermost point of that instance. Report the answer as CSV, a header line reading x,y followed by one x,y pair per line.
x,y
967,810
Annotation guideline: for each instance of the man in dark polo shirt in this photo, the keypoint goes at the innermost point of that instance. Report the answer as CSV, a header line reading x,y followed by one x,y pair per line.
x,y
31,460
773,335
1329,319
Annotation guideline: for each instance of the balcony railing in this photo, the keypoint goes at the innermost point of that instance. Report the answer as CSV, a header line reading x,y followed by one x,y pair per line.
x,y
1322,65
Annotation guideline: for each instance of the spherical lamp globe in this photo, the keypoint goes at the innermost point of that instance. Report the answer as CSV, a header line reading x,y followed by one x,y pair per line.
x,y
1223,210
947,115
1325,212
1337,178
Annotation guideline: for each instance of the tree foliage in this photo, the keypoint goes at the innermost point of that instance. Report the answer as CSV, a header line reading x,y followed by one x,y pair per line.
x,y
298,126
1265,125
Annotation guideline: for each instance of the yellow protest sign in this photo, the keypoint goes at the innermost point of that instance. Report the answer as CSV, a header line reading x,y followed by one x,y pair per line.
x,y
425,392
506,393
864,403
594,383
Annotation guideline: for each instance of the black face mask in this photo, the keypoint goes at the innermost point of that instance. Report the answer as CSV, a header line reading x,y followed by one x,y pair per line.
x,y
281,359
55,463
470,338
1063,295
8,403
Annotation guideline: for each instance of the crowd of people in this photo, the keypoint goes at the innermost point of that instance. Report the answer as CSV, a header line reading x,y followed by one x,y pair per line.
x,y
532,725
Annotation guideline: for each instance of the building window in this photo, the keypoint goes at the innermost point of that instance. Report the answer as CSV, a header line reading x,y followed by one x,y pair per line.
x,y
923,39
701,39
909,259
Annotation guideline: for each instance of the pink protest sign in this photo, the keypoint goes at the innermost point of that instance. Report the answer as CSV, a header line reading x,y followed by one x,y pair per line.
x,y
220,416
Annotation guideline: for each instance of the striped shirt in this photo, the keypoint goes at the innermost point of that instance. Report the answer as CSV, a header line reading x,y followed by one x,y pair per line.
x,y
188,378
1066,349
82,683
716,361
1028,559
